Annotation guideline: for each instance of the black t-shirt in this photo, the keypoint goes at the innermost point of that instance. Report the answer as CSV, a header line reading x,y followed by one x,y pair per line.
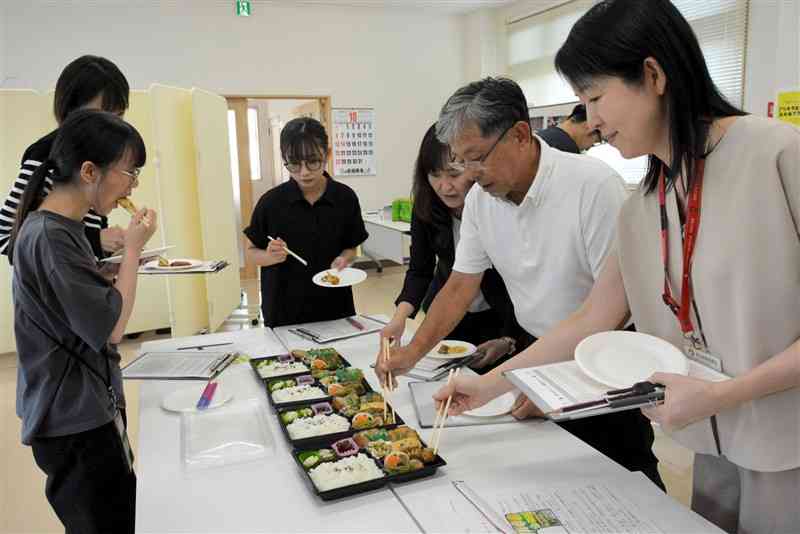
x,y
559,139
318,234
34,156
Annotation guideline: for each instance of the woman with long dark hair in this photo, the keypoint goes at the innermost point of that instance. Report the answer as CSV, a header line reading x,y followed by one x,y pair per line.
x,y
318,218
68,319
88,82
707,258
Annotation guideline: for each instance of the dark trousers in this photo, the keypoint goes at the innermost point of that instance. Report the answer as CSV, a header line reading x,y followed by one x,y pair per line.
x,y
625,437
88,482
478,327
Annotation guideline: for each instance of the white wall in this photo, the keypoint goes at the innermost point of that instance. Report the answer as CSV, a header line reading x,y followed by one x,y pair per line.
x,y
403,63
773,52
3,45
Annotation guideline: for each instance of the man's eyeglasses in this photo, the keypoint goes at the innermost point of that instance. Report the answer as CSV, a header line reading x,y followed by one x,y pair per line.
x,y
462,166
312,166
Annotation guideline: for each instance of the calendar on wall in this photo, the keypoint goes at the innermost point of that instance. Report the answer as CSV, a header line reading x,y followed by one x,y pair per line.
x,y
354,142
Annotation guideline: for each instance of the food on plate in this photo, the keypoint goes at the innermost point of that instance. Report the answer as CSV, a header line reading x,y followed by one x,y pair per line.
x,y
290,415
163,262
378,449
127,205
352,403
342,390
309,459
397,462
451,349
274,367
402,432
180,263
322,408
320,360
364,438
342,376
297,393
330,278
345,472
345,447
363,420
280,384
317,425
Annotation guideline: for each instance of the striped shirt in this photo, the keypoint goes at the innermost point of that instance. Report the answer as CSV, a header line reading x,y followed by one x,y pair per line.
x,y
34,156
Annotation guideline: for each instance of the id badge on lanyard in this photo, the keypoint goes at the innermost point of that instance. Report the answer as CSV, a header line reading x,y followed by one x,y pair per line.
x,y
696,350
694,347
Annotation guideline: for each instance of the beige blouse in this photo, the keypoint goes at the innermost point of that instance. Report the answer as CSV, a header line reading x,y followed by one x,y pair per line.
x,y
746,278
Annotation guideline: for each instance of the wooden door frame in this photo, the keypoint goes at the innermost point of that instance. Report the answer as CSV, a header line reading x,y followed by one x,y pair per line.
x,y
238,103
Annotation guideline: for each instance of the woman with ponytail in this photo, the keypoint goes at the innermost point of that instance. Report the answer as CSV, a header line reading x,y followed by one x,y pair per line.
x,y
89,82
68,319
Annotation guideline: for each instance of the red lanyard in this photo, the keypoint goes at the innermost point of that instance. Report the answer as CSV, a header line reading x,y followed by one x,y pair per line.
x,y
682,310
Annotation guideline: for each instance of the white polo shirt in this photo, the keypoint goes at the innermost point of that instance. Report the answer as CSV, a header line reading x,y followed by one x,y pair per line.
x,y
550,249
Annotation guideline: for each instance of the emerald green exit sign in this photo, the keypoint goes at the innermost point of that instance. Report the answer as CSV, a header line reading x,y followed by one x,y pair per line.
x,y
243,8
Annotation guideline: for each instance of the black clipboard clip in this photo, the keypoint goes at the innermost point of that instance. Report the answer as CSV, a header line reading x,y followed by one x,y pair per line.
x,y
222,364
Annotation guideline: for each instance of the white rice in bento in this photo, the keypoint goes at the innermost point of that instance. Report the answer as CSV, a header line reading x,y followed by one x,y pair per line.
x,y
345,472
296,393
319,425
276,368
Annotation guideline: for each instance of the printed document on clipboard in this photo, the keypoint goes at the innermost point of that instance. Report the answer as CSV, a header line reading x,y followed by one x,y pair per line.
x,y
564,392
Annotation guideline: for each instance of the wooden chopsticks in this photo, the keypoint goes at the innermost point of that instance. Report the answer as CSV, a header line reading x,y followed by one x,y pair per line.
x,y
441,416
388,387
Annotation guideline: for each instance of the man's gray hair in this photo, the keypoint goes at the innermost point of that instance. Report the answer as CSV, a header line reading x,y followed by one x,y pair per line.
x,y
491,104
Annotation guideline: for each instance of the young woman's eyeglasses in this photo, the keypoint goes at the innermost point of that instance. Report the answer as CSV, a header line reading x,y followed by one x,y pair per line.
x,y
132,174
312,166
461,166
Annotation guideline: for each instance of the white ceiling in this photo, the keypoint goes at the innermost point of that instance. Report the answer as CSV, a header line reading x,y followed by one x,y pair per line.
x,y
443,6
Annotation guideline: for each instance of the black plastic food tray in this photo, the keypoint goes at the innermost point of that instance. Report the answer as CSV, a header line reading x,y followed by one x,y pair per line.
x,y
291,404
254,364
312,442
346,491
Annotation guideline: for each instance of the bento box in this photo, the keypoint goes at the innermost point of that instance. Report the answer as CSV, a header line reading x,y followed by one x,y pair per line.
x,y
314,423
315,362
366,461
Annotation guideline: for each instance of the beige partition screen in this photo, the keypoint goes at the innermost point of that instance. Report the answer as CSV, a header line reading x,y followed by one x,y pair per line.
x,y
24,117
215,198
151,310
179,210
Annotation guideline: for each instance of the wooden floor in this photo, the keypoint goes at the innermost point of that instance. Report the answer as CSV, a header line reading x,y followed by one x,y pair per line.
x,y
24,508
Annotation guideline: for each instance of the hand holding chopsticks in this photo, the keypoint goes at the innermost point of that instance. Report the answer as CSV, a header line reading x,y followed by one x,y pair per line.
x,y
441,415
289,252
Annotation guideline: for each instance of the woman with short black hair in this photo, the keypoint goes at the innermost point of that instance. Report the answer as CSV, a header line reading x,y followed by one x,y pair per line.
x,y
707,257
318,218
89,82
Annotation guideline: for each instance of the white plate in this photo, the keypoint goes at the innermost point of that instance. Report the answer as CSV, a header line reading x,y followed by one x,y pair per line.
x,y
156,267
469,346
620,359
347,277
498,406
185,400
152,253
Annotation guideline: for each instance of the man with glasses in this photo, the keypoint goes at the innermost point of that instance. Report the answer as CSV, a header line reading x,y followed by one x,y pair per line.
x,y
545,220
573,134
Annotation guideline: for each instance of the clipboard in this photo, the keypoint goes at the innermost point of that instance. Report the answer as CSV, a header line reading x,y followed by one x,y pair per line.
x,y
174,365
